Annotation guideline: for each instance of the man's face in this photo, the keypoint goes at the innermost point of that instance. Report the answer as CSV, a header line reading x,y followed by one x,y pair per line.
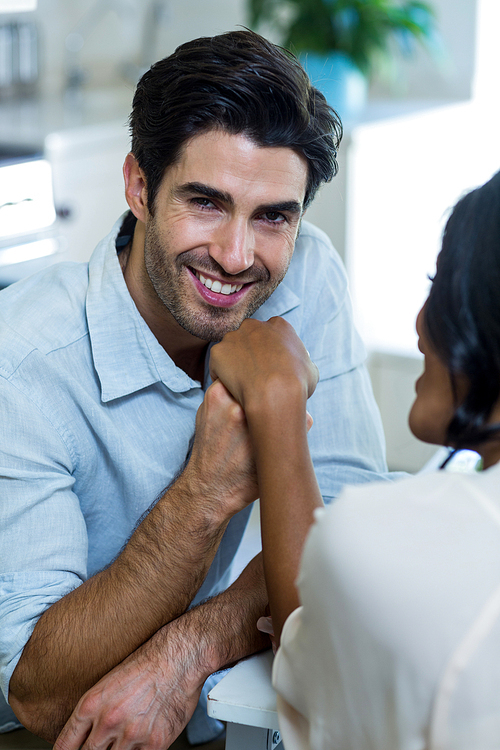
x,y
223,232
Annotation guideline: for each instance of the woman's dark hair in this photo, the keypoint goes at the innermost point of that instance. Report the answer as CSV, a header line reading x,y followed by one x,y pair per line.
x,y
238,82
462,314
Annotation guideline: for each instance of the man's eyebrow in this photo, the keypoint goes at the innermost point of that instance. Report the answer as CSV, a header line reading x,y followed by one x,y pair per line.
x,y
291,207
198,188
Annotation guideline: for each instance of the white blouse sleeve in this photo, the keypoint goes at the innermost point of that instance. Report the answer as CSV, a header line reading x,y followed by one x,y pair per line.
x,y
292,709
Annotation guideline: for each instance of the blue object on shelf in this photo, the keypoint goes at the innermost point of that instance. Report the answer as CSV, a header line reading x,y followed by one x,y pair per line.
x,y
342,83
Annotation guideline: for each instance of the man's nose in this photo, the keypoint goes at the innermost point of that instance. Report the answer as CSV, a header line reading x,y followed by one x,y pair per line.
x,y
233,247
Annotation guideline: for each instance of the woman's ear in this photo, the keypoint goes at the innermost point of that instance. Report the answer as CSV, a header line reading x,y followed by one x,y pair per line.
x,y
136,192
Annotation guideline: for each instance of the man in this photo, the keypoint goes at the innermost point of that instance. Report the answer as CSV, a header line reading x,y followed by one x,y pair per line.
x,y
104,371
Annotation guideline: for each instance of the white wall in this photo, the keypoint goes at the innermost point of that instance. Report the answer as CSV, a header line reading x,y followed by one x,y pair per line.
x,y
404,177
116,36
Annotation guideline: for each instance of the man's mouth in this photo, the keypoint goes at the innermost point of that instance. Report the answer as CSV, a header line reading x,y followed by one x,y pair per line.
x,y
216,286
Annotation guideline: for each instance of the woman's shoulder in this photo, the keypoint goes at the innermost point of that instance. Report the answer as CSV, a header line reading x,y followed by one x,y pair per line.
x,y
411,494
409,528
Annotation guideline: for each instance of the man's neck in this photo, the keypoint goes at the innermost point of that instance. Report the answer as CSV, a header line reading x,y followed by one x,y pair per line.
x,y
186,351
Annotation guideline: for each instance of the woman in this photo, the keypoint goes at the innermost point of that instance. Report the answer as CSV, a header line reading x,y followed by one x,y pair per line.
x,y
392,640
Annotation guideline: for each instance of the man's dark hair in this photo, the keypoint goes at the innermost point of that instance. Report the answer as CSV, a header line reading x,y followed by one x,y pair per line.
x,y
462,314
240,83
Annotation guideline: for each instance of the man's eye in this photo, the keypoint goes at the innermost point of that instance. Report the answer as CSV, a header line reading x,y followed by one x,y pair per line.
x,y
275,217
203,202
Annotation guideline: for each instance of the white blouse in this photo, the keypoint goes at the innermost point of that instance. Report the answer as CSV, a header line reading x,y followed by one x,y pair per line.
x,y
397,643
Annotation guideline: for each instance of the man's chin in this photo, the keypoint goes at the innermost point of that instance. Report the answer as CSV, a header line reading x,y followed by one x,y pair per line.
x,y
211,331
210,323
213,324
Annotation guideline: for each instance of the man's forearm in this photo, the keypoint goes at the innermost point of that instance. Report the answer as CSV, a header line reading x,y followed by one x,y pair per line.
x,y
85,634
227,624
220,631
154,692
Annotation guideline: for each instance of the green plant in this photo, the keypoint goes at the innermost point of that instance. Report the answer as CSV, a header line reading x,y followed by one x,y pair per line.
x,y
362,29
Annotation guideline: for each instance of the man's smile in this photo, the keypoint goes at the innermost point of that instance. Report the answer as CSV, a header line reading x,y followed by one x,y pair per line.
x,y
217,292
217,286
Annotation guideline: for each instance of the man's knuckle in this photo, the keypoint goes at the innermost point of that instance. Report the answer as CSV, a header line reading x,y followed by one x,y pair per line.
x,y
158,738
113,718
236,414
131,734
214,394
87,706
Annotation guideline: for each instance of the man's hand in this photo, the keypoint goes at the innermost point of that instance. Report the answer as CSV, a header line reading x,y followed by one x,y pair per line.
x,y
145,702
262,359
221,468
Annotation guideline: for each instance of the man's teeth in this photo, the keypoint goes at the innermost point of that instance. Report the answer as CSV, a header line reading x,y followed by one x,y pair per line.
x,y
216,286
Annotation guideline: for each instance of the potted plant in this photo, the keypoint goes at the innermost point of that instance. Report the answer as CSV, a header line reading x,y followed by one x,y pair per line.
x,y
338,39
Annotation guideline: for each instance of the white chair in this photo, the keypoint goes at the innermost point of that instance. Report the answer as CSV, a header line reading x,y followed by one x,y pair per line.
x,y
246,700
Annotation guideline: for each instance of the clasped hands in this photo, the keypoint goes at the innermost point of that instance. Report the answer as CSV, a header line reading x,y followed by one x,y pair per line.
x,y
261,360
260,371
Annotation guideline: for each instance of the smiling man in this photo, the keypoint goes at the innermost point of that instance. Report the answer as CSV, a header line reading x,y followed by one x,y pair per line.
x,y
116,607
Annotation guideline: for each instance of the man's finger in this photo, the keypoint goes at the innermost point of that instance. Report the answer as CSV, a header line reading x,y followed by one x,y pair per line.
x,y
73,735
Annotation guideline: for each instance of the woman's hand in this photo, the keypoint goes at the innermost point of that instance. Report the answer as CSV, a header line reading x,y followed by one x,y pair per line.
x,y
262,359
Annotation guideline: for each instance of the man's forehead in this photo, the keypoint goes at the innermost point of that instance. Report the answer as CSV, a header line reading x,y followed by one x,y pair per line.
x,y
217,154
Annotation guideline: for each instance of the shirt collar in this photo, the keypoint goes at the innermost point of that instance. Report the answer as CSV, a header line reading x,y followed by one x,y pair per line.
x,y
126,354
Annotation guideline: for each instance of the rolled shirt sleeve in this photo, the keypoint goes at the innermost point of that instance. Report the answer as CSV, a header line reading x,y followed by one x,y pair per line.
x,y
43,544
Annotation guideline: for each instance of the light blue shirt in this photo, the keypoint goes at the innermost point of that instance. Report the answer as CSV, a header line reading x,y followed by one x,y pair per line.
x,y
96,420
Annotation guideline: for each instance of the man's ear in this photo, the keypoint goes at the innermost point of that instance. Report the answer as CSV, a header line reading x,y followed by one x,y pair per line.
x,y
136,192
